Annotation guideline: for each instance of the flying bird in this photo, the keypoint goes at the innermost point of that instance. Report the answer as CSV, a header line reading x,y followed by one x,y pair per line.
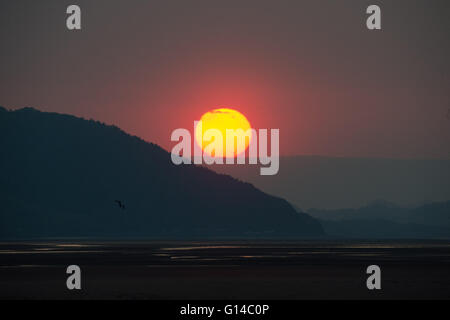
x,y
120,204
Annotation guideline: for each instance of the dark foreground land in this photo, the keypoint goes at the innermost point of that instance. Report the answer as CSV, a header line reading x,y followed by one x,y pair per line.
x,y
225,270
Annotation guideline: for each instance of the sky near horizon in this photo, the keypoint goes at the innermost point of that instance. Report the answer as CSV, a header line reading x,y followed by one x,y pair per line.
x,y
310,68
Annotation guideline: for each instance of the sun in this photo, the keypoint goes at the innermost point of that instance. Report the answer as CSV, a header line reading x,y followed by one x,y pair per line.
x,y
223,119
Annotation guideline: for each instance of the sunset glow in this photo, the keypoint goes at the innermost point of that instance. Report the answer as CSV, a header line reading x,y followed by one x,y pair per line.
x,y
222,119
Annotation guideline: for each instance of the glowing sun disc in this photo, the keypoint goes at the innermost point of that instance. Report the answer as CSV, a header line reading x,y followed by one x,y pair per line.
x,y
222,119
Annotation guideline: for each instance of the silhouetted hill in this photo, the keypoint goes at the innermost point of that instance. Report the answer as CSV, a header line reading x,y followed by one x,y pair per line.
x,y
342,182
383,229
60,177
385,220
432,214
378,209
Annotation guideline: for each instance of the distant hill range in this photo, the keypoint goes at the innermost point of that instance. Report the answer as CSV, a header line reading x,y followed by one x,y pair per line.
x,y
60,176
335,183
416,192
381,219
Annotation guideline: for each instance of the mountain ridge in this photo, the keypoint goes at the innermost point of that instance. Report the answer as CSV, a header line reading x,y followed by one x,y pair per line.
x,y
383,219
349,182
61,175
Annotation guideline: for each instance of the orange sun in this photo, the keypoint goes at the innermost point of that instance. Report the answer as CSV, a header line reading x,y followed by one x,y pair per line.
x,y
221,120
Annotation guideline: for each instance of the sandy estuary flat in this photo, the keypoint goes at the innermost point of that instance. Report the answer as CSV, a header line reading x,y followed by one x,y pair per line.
x,y
225,269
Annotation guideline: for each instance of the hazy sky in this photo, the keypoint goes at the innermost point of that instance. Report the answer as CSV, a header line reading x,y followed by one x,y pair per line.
x,y
310,68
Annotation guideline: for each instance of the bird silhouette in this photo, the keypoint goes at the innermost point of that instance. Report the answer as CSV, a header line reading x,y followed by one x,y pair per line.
x,y
120,204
